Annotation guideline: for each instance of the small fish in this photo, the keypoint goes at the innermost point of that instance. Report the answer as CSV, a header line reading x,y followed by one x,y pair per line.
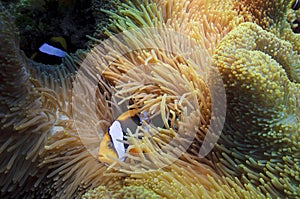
x,y
296,5
51,52
112,145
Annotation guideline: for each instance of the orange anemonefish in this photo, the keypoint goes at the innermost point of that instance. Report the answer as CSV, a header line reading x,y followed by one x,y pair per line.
x,y
51,52
112,145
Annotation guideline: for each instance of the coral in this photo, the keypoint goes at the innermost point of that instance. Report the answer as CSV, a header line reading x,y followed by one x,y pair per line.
x,y
262,86
138,192
293,19
51,123
124,192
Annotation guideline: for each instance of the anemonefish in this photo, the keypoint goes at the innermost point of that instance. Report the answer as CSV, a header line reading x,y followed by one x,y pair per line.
x,y
112,145
296,5
51,52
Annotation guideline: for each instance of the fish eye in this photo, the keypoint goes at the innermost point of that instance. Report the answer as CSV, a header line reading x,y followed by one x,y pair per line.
x,y
110,145
295,5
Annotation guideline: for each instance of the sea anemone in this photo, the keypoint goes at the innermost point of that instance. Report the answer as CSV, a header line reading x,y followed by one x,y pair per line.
x,y
30,95
22,120
263,90
171,60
